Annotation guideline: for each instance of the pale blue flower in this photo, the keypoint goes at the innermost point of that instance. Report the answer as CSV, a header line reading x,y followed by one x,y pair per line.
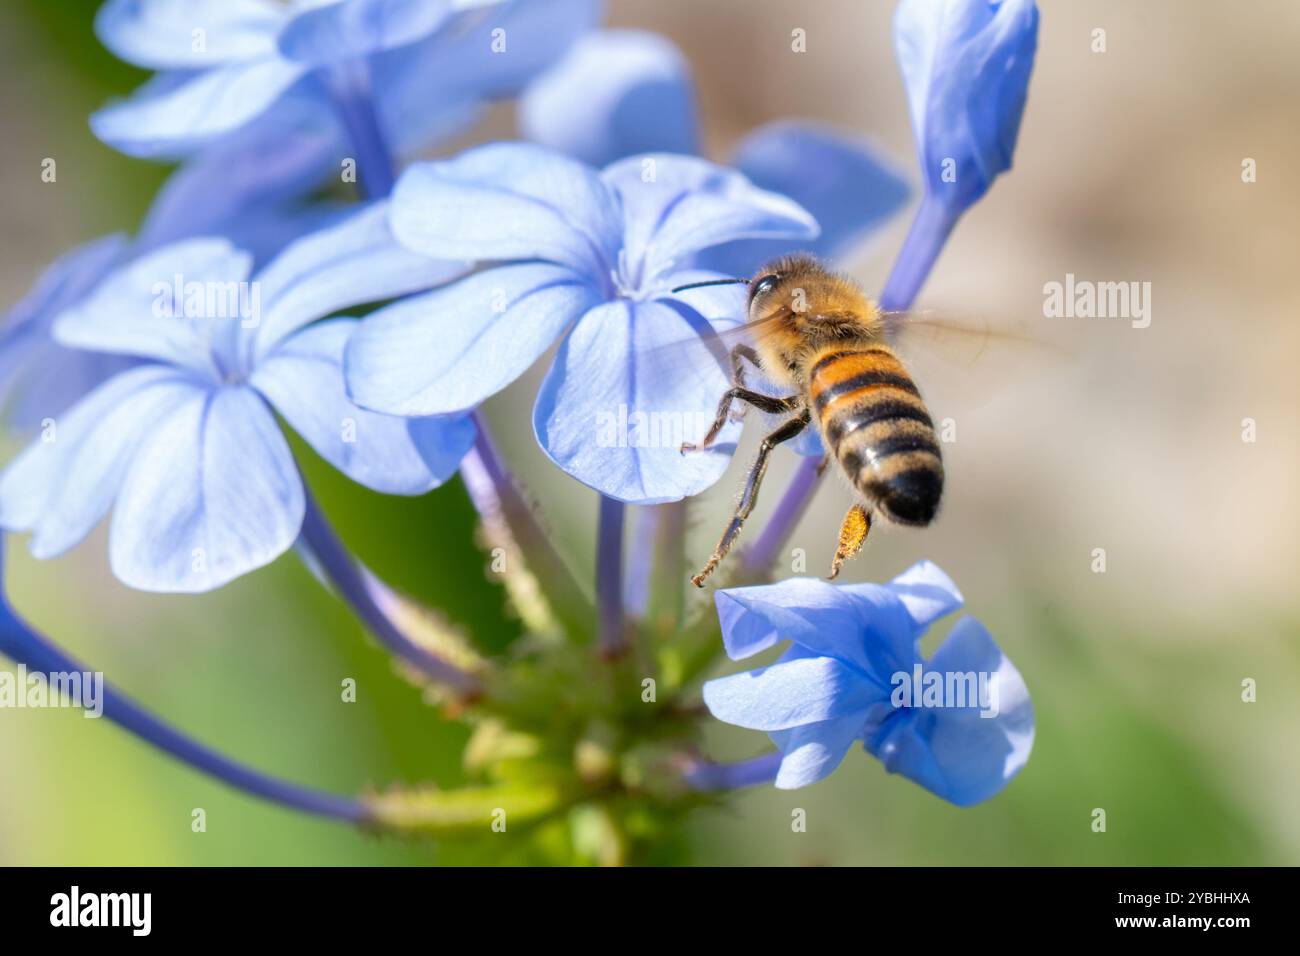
x,y
185,441
39,378
840,683
966,66
291,89
584,257
638,96
636,92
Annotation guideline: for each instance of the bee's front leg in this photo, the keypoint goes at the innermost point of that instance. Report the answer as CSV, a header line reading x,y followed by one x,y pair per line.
x,y
739,355
760,401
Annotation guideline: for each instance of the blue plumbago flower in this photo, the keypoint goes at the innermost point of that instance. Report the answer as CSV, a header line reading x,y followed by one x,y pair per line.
x,y
638,96
854,672
966,66
586,257
291,88
185,441
39,378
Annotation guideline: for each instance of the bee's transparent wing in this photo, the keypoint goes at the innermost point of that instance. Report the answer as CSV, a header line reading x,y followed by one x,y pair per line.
x,y
963,361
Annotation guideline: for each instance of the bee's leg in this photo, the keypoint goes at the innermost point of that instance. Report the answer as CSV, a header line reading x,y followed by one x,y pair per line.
x,y
747,498
739,355
760,401
853,533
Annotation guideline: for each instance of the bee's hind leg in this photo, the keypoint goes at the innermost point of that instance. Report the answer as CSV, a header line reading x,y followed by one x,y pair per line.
x,y
853,534
750,495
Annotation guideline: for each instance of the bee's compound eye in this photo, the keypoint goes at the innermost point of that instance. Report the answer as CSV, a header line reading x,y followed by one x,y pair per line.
x,y
765,285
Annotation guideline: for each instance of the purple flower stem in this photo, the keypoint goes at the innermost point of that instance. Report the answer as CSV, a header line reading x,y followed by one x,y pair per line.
x,y
656,573
363,593
759,558
930,229
349,85
706,776
510,520
492,489
22,644
641,562
611,627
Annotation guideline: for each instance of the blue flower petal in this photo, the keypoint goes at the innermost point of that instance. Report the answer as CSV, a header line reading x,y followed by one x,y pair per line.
x,y
194,34
442,441
65,281
966,66
130,311
38,377
496,52
791,693
353,261
636,93
213,494
725,307
927,593
674,206
303,379
813,751
888,637
841,180
63,483
509,201
172,115
956,753
449,350
47,379
244,186
439,86
614,409
426,99
809,611
349,29
873,627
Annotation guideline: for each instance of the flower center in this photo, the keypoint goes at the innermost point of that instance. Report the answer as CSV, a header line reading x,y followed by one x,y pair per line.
x,y
629,280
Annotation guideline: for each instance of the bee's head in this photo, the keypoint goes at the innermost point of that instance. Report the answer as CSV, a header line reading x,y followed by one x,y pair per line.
x,y
801,291
802,296
784,283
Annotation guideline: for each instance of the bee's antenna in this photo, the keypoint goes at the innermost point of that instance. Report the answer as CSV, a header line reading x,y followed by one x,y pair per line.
x,y
697,285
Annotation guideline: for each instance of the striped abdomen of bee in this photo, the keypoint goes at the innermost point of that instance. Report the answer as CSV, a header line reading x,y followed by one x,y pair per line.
x,y
872,418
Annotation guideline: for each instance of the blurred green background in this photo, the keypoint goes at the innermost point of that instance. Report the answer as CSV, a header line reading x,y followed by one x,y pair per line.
x,y
1128,168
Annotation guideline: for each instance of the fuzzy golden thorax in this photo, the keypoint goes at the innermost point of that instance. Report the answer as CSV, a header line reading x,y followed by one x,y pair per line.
x,y
798,308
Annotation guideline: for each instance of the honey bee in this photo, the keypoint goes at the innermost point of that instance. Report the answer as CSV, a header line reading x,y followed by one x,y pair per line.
x,y
823,343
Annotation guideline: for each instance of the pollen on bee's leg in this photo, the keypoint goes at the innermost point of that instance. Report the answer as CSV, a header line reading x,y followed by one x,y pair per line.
x,y
853,534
